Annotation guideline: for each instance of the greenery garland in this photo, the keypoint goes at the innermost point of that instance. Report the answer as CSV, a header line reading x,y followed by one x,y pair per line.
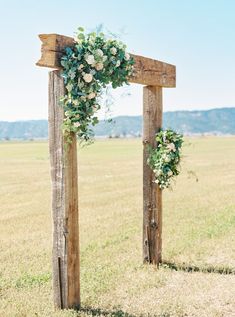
x,y
164,160
88,67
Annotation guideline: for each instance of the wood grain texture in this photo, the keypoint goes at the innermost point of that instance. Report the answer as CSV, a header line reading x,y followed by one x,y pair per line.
x,y
152,194
66,283
151,72
71,225
147,71
52,49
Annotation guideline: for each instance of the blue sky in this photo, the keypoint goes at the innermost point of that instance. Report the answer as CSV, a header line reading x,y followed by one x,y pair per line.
x,y
197,36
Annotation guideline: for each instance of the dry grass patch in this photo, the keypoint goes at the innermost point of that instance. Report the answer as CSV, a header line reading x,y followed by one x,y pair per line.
x,y
198,233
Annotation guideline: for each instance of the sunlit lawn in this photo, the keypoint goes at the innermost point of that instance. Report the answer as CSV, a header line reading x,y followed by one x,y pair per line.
x,y
198,232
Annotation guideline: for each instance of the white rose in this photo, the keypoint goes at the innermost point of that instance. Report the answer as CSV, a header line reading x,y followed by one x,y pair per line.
x,y
91,95
99,66
99,52
171,147
95,107
105,57
88,78
118,63
77,124
157,172
167,159
90,59
113,50
127,56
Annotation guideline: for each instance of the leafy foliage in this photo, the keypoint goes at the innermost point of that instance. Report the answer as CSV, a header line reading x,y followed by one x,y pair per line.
x,y
88,67
165,158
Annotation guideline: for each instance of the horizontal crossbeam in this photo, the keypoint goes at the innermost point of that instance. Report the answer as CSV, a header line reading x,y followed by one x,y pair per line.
x,y
147,71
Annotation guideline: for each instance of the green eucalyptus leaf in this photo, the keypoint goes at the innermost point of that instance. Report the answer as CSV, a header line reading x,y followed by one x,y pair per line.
x,y
88,67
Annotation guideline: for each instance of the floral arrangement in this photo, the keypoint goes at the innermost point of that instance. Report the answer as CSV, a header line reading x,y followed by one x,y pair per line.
x,y
88,67
164,160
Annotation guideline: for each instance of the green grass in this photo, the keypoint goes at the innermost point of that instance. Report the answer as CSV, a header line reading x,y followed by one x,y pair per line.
x,y
198,233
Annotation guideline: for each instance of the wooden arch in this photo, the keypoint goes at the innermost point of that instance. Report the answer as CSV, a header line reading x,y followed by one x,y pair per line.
x,y
66,264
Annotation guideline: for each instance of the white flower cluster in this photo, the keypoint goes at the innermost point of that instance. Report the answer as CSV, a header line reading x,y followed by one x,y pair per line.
x,y
165,158
88,67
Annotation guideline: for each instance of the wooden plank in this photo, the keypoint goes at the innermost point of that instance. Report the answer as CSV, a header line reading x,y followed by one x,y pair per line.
x,y
152,194
151,72
52,49
147,71
63,161
72,227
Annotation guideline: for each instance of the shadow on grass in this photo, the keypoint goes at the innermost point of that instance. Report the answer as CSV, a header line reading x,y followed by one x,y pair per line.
x,y
111,313
193,268
108,313
189,268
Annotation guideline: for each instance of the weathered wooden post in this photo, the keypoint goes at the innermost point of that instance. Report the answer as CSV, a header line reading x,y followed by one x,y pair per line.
x,y
152,194
155,75
66,282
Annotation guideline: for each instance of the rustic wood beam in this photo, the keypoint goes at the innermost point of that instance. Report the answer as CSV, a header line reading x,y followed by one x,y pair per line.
x,y
152,194
147,71
63,159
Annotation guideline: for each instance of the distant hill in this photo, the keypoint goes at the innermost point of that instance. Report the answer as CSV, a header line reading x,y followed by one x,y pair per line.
x,y
218,121
214,121
29,129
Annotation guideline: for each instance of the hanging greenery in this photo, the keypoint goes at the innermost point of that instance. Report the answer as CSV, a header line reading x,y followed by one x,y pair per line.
x,y
164,160
88,67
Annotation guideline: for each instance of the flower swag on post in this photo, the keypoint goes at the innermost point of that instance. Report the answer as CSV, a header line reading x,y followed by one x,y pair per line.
x,y
88,67
164,160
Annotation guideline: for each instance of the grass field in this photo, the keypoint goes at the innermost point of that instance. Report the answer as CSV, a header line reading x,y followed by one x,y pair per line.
x,y
198,233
